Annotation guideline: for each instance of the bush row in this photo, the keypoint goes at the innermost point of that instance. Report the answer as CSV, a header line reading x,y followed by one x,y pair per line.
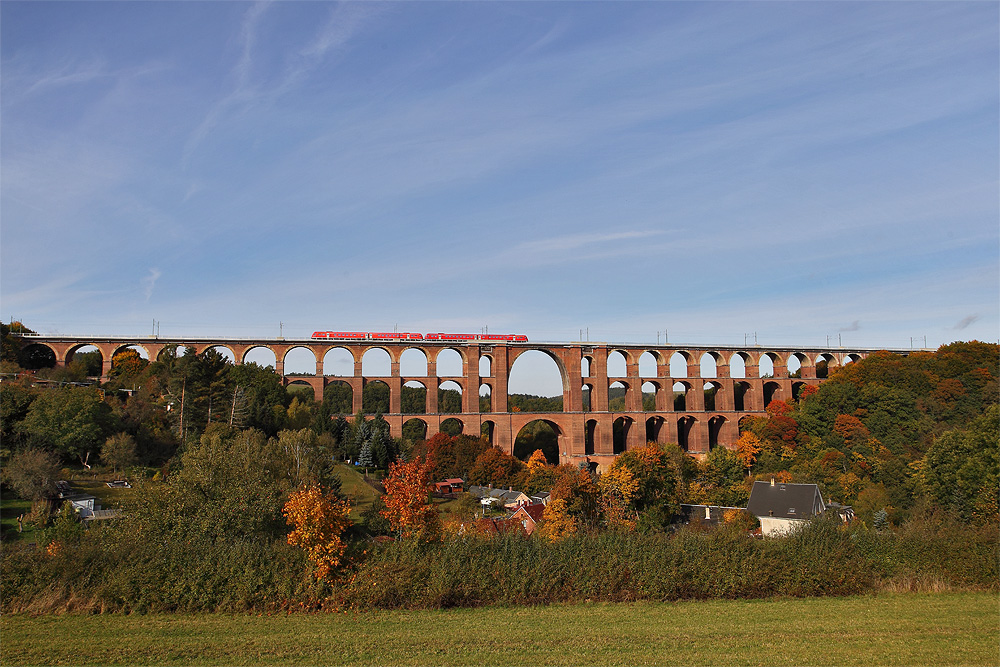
x,y
101,574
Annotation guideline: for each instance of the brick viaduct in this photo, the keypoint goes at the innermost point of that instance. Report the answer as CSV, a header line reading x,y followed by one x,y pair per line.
x,y
697,422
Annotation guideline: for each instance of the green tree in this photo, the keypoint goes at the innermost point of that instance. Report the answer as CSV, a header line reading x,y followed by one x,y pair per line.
x,y
32,473
72,422
961,468
119,451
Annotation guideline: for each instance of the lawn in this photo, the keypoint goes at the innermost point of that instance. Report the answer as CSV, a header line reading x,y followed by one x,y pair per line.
x,y
899,629
353,485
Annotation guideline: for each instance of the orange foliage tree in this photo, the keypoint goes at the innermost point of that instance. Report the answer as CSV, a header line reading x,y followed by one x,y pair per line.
x,y
319,520
407,503
536,461
747,448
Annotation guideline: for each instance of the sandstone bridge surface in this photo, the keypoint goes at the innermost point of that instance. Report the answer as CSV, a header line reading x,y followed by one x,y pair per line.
x,y
695,408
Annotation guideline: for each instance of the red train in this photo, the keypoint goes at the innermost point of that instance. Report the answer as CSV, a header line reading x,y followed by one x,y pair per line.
x,y
380,335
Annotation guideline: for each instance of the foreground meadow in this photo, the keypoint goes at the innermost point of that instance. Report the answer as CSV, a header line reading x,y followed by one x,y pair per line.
x,y
889,629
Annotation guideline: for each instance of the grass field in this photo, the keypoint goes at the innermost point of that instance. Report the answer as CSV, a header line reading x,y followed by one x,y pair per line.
x,y
356,489
901,629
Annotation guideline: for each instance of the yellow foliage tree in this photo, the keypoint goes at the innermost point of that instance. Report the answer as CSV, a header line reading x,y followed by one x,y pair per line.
x,y
557,522
748,446
319,520
618,488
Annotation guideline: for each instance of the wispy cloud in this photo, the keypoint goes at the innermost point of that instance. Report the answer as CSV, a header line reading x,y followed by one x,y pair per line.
x,y
853,326
577,241
966,321
149,282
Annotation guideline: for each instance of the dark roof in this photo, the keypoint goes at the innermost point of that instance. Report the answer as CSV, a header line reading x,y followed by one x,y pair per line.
x,y
534,511
785,501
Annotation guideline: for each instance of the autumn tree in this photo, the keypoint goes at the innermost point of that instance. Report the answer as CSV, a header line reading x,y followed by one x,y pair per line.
x,y
748,446
618,488
319,520
496,467
407,501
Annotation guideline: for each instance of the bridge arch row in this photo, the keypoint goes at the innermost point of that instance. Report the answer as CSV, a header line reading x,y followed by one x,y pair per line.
x,y
584,430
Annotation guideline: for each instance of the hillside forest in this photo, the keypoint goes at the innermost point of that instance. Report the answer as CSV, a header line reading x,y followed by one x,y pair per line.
x,y
909,441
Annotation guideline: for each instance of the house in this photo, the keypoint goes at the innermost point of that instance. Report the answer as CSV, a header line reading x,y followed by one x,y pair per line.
x,y
781,507
527,516
509,498
451,485
540,498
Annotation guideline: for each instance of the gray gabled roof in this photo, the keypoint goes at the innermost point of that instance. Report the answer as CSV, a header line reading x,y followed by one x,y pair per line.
x,y
785,501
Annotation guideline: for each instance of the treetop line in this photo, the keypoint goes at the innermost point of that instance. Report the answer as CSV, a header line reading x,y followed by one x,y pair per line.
x,y
695,411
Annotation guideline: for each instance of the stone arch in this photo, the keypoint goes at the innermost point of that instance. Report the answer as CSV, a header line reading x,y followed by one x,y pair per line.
x,y
685,425
852,358
413,362
485,365
741,392
140,349
450,363
681,390
649,364
586,395
738,365
339,362
262,355
618,396
172,351
375,397
452,426
795,363
301,388
413,398
487,431
710,364
617,364
299,360
541,434
83,348
414,429
654,427
772,391
711,390
796,388
485,397
222,349
766,363
620,433
585,363
824,364
715,425
518,354
650,395
590,436
339,397
679,361
376,362
35,356
448,401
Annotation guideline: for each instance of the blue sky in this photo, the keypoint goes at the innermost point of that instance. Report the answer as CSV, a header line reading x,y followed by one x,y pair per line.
x,y
797,170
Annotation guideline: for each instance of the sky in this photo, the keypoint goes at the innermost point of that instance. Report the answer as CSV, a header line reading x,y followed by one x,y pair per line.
x,y
705,172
